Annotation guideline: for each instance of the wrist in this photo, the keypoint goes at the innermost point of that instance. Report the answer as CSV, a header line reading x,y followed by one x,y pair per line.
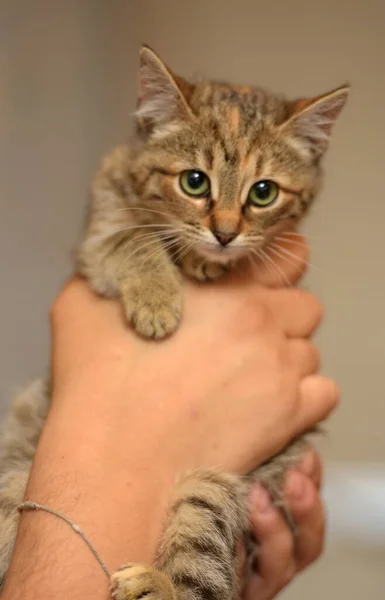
x,y
83,469
113,458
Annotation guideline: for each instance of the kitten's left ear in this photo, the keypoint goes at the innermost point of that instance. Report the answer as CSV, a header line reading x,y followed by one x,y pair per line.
x,y
313,120
162,95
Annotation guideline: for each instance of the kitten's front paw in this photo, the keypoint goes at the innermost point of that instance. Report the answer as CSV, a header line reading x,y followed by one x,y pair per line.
x,y
200,269
157,322
134,582
156,314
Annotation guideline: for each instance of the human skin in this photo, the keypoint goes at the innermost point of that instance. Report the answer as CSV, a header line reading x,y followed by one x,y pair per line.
x,y
232,387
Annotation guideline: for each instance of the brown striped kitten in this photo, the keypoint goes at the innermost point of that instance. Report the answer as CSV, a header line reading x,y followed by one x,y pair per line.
x,y
215,172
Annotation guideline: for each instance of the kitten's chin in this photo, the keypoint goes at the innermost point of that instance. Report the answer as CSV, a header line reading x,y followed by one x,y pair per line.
x,y
220,254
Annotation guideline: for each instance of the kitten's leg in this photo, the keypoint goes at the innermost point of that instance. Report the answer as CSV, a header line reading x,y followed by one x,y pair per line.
x,y
197,556
202,269
151,292
144,276
119,258
199,544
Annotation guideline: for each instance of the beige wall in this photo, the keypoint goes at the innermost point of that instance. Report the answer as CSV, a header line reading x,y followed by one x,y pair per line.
x,y
67,76
66,70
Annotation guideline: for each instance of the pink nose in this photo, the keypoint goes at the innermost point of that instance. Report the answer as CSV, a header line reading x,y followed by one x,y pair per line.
x,y
224,237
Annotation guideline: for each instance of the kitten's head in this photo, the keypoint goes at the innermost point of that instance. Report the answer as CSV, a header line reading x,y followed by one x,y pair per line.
x,y
229,167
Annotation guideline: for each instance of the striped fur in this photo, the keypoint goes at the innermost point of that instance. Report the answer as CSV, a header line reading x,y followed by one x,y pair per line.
x,y
142,231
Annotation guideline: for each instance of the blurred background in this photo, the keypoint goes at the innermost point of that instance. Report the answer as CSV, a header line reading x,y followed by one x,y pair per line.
x,y
67,88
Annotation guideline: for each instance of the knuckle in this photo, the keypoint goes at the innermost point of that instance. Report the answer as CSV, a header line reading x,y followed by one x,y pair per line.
x,y
289,574
314,552
315,310
323,392
329,394
305,349
316,543
335,393
318,549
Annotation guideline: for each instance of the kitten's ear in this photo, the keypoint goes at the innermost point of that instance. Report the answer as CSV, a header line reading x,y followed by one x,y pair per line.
x,y
162,96
313,120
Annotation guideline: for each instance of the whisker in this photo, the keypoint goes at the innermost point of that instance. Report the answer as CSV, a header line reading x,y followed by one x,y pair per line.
x,y
285,252
167,246
146,226
141,208
282,256
111,233
278,270
253,263
141,247
185,250
176,250
281,238
158,235
262,258
304,235
265,262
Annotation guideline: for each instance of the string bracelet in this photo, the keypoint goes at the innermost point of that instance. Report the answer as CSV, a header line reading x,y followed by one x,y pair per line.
x,y
32,506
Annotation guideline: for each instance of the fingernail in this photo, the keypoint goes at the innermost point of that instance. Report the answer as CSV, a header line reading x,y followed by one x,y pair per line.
x,y
260,499
295,485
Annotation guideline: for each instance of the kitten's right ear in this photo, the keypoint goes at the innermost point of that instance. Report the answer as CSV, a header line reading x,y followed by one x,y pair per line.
x,y
162,96
313,119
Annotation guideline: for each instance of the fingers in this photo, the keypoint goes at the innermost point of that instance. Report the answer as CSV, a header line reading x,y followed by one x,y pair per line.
x,y
280,556
299,313
276,558
311,466
319,397
305,356
307,511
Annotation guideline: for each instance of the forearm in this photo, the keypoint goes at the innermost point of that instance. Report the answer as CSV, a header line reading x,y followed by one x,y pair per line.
x,y
87,468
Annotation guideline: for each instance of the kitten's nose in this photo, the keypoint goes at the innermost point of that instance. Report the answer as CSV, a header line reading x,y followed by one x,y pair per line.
x,y
224,237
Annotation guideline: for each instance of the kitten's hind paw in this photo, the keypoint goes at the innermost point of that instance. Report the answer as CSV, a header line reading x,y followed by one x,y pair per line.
x,y
137,582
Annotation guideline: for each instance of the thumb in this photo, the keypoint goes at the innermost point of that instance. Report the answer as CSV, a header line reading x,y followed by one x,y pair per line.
x,y
319,396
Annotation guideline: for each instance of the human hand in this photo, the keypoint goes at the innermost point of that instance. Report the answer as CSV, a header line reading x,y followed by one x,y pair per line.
x,y
232,387
281,556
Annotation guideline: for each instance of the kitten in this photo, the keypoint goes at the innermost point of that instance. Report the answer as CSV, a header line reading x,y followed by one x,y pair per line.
x,y
215,172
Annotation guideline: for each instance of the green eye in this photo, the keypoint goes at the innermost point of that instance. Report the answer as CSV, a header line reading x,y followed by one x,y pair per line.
x,y
263,193
195,183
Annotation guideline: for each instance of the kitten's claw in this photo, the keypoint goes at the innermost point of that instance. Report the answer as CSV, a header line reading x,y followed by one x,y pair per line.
x,y
134,582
